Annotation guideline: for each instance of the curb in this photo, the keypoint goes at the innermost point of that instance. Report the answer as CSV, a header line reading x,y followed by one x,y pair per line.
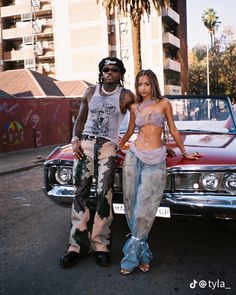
x,y
23,168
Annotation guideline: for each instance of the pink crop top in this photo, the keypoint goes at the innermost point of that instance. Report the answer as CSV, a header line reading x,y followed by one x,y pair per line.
x,y
156,119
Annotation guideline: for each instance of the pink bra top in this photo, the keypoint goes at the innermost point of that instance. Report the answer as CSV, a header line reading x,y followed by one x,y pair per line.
x,y
156,119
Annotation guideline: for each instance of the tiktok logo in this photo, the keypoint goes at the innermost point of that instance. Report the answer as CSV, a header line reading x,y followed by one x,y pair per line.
x,y
193,284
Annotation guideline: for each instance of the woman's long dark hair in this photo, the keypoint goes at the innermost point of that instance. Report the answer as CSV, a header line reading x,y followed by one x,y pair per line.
x,y
156,93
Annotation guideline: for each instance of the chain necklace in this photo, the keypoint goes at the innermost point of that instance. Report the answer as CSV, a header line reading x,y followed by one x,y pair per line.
x,y
111,92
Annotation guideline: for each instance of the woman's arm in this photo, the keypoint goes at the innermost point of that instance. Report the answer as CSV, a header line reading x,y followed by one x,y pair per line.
x,y
130,129
175,133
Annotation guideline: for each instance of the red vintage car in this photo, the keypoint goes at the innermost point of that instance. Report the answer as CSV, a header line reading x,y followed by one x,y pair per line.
x,y
202,188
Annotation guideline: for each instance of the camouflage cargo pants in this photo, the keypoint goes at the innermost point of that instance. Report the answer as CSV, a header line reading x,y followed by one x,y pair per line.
x,y
99,161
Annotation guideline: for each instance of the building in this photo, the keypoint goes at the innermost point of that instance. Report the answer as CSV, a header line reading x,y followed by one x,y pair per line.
x,y
27,36
31,84
163,46
66,39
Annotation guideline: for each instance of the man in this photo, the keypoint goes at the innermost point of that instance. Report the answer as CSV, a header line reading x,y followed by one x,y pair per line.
x,y
95,135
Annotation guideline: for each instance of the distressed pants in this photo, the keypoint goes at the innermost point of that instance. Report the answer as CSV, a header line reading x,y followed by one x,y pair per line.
x,y
99,161
143,187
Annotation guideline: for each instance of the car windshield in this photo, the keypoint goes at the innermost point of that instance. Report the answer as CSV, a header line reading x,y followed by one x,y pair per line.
x,y
199,115
203,114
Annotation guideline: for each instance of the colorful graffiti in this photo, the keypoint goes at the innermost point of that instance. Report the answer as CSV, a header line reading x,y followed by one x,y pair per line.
x,y
13,133
29,123
14,126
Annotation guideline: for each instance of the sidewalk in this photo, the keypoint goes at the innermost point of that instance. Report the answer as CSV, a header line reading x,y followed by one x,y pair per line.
x,y
23,159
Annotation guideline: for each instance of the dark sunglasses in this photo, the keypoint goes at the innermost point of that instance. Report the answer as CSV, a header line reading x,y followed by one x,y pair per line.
x,y
114,70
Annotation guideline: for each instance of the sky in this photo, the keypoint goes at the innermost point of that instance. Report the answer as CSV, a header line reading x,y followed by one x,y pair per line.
x,y
197,33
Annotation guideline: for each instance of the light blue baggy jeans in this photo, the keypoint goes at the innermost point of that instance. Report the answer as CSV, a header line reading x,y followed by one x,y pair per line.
x,y
143,187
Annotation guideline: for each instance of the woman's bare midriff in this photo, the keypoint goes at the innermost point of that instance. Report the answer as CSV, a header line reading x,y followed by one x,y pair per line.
x,y
149,137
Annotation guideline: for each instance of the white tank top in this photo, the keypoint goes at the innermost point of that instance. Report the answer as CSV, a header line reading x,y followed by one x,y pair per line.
x,y
104,115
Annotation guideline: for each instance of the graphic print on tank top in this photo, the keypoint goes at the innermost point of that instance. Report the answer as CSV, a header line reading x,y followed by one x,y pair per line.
x,y
100,117
104,115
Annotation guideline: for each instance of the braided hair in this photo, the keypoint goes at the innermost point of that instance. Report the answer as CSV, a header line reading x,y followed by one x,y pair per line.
x,y
111,61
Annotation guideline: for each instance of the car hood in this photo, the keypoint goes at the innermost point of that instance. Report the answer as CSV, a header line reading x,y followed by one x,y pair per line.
x,y
61,153
214,149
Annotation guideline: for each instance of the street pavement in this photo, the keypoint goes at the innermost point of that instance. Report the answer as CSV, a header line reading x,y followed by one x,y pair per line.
x,y
23,159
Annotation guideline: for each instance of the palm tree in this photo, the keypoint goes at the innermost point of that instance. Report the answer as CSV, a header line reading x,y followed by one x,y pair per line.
x,y
135,9
211,22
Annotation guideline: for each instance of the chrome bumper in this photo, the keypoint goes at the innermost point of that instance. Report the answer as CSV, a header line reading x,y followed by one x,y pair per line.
x,y
201,201
62,195
188,204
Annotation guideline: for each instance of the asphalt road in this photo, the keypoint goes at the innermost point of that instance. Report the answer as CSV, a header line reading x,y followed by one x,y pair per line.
x,y
191,257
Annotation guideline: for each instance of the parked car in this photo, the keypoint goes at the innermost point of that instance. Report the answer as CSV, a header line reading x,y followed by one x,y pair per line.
x,y
202,188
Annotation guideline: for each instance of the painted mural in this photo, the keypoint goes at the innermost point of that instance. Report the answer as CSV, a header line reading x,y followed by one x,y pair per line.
x,y
28,123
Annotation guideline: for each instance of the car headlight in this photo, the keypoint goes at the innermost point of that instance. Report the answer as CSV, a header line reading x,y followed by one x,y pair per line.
x,y
63,175
210,181
229,182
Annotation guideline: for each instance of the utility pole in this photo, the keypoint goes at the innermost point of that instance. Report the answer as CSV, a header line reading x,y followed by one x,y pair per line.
x,y
208,86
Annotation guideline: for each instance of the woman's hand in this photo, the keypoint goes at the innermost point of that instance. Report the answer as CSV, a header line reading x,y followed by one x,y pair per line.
x,y
192,156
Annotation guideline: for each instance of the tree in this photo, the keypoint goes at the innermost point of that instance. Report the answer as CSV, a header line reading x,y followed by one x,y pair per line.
x,y
222,69
135,9
226,46
211,22
197,70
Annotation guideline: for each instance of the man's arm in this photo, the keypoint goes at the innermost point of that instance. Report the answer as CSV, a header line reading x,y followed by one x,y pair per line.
x,y
80,122
127,98
83,112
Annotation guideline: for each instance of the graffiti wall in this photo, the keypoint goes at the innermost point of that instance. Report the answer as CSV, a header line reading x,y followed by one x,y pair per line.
x,y
28,123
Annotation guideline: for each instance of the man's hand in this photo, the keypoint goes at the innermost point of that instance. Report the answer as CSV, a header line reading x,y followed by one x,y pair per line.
x,y
77,150
170,152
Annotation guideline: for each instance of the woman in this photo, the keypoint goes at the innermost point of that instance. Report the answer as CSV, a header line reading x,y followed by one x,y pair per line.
x,y
144,171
